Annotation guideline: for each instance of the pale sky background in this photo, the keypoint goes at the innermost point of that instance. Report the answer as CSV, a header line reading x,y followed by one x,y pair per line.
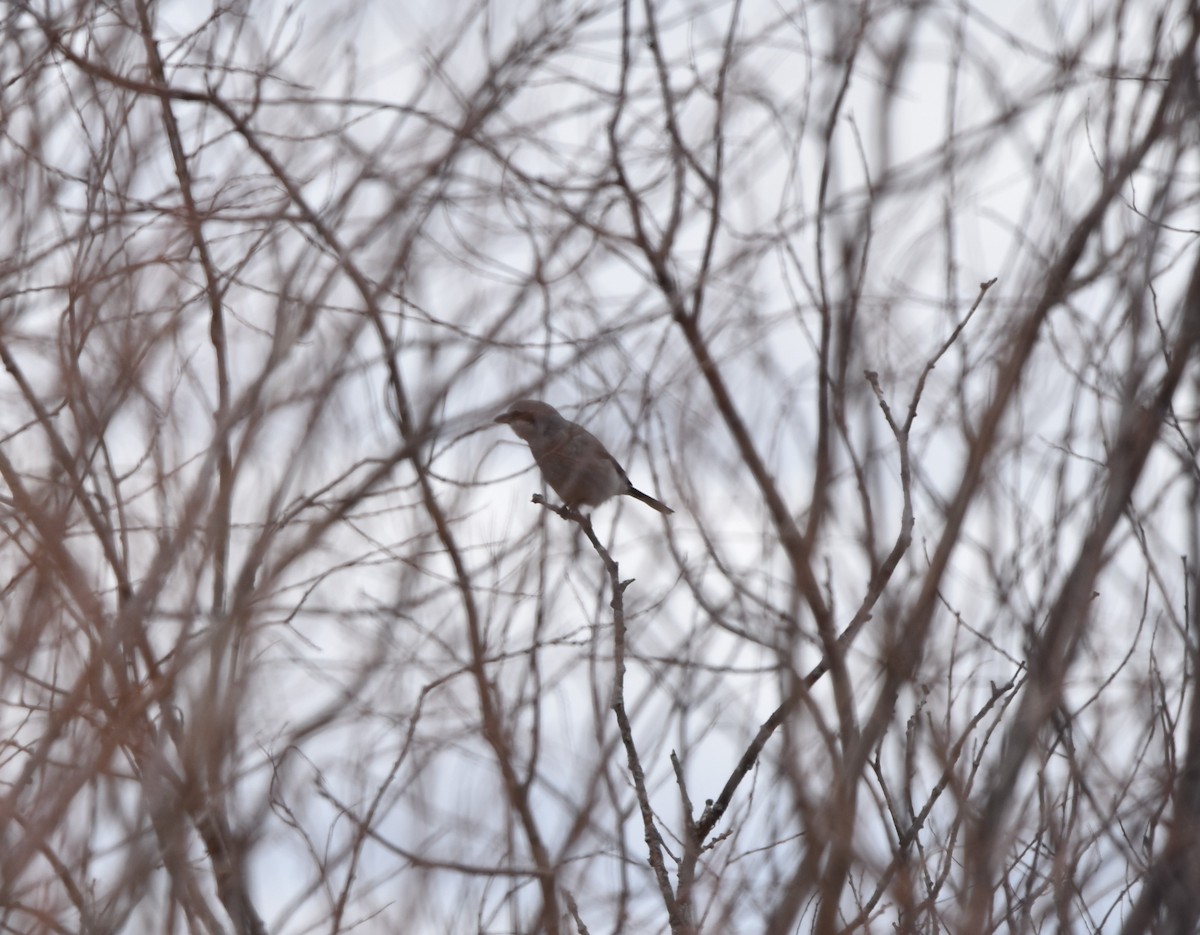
x,y
376,623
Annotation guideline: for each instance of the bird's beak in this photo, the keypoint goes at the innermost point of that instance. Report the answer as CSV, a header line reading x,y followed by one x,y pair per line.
x,y
504,418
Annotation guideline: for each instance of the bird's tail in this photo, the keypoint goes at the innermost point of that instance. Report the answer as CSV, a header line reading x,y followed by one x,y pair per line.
x,y
648,500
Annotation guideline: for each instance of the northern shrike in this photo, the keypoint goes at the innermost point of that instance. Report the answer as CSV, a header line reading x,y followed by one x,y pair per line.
x,y
571,458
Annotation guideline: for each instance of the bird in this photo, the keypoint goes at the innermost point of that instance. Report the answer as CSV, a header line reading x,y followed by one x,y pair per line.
x,y
572,460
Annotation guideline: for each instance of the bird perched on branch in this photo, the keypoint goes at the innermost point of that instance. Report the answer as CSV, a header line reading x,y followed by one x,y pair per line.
x,y
571,458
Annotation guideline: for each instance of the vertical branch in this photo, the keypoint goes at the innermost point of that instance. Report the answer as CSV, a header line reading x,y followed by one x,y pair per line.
x,y
1059,642
1169,900
680,924
213,291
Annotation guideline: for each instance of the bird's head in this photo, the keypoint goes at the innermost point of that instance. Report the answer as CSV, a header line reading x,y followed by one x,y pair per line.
x,y
527,417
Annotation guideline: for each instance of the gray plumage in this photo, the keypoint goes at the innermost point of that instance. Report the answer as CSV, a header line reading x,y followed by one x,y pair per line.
x,y
572,460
